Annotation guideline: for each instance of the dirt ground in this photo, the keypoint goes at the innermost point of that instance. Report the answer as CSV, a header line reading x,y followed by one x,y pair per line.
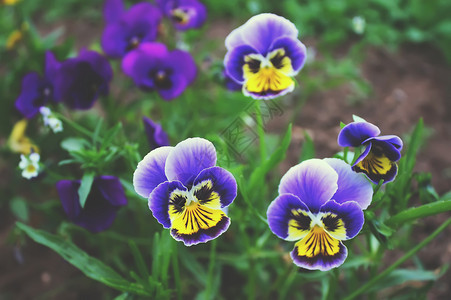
x,y
415,82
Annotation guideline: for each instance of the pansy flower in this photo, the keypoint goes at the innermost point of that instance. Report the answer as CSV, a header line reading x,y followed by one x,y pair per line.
x,y
105,198
381,152
29,164
18,141
156,136
126,29
263,55
37,90
82,79
186,191
184,14
153,67
319,205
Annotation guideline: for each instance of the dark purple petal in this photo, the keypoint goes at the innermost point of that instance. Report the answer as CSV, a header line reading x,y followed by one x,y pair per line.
x,y
112,10
156,136
351,185
260,31
187,14
321,261
99,211
288,217
150,171
112,190
159,201
36,92
234,62
115,40
81,80
188,159
230,83
391,145
342,221
294,50
215,187
313,181
355,133
51,66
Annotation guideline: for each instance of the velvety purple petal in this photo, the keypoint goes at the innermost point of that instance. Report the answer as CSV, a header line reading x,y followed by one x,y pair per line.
x,y
150,171
98,62
156,136
182,62
112,190
342,221
32,95
288,217
215,187
352,186
313,181
112,10
355,133
115,40
159,201
294,49
51,66
320,262
68,193
363,154
260,31
195,14
188,159
234,61
391,145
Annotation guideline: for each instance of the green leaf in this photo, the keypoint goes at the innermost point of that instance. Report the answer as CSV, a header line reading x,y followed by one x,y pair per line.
x,y
74,144
85,187
276,157
401,276
423,211
358,119
90,266
19,208
308,148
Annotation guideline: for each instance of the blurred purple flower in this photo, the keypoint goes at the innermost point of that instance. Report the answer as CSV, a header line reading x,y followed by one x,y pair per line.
x,y
153,67
126,29
81,80
156,136
184,14
104,199
37,91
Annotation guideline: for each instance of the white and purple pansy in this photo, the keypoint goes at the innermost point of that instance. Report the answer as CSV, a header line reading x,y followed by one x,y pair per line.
x,y
186,191
184,14
320,204
378,159
263,55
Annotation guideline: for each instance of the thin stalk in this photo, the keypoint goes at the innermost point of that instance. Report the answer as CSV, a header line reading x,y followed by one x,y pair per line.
x,y
74,125
261,130
211,268
396,264
176,269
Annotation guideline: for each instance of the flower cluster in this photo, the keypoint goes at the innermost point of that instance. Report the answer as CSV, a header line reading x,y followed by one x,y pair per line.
x,y
51,120
29,165
186,191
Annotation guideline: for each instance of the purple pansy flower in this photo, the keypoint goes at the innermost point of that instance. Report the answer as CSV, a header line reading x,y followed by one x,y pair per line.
x,y
126,29
186,191
104,199
378,160
37,91
320,204
184,14
81,80
263,55
156,136
153,67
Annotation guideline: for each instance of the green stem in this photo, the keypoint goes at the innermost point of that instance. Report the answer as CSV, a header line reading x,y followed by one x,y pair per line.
x,y
211,268
419,212
261,130
409,254
74,125
176,269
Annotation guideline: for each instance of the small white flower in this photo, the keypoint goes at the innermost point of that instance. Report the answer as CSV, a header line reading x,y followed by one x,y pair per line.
x,y
45,111
55,124
358,24
29,165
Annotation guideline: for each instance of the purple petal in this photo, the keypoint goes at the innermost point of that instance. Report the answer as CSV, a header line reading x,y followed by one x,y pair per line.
x,y
156,136
112,190
51,66
351,185
313,181
234,62
159,201
390,145
32,95
288,217
260,31
112,10
294,49
355,133
150,171
68,193
188,159
342,221
215,188
116,40
188,14
138,62
321,261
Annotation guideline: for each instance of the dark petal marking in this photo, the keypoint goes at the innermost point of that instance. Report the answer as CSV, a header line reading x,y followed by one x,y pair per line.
x,y
178,202
331,222
254,64
302,220
377,166
277,60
